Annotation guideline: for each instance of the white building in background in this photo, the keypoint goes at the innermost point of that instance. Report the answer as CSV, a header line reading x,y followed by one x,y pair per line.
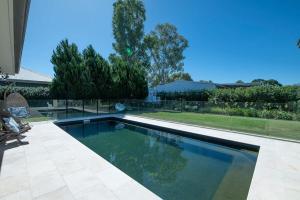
x,y
184,86
178,86
190,86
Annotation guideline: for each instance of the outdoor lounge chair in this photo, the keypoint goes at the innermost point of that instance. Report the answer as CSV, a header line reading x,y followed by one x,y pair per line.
x,y
5,114
17,105
11,130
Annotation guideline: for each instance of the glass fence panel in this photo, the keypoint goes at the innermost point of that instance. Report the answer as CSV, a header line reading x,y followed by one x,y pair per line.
x,y
39,107
271,119
91,107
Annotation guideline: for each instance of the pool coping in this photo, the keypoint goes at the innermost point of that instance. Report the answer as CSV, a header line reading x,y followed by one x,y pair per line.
x,y
277,171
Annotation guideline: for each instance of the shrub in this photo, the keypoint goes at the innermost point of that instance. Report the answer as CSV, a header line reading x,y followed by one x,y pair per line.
x,y
268,114
187,96
284,115
264,93
259,97
28,92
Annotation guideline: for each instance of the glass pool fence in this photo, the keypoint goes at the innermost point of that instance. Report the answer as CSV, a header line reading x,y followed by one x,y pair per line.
x,y
272,119
59,109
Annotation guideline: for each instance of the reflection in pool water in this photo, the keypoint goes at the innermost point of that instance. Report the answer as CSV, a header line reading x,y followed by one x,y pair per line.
x,y
172,166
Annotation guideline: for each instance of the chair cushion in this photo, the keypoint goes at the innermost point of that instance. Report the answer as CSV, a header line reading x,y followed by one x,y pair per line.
x,y
18,111
12,124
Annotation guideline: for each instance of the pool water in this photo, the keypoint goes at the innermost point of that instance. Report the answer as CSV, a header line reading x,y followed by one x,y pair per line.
x,y
171,166
65,114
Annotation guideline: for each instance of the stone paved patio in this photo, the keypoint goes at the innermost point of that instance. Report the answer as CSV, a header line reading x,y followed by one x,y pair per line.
x,y
53,165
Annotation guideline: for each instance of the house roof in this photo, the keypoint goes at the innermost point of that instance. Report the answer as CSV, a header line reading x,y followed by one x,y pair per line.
x,y
29,76
184,86
234,85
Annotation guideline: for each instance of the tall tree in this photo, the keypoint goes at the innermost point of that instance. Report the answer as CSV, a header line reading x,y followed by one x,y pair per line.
x,y
165,48
99,71
298,43
205,81
129,80
180,76
266,82
128,29
70,79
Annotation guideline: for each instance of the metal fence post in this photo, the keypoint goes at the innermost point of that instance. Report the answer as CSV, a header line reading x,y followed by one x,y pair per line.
x,y
181,105
66,105
108,106
97,106
82,105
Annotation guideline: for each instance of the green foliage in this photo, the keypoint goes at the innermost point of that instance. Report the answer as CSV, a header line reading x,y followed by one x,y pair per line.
x,y
91,76
28,92
129,80
165,47
99,71
180,76
128,29
205,81
272,82
203,95
239,81
250,112
257,95
264,93
71,78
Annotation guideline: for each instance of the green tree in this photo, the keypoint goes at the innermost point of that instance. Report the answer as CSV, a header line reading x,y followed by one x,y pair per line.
x,y
258,81
128,29
180,76
298,44
205,81
70,77
129,80
273,82
239,81
100,73
164,47
266,82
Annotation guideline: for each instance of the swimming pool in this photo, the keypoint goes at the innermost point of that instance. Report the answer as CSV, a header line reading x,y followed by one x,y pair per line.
x,y
167,163
65,114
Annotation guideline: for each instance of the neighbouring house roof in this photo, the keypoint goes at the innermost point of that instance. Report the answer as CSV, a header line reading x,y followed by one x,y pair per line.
x,y
234,85
29,76
184,86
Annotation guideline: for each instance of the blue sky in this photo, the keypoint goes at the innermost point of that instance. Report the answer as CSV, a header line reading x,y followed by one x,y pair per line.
x,y
229,39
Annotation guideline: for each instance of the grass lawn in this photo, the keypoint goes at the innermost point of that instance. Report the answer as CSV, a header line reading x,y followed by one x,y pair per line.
x,y
270,127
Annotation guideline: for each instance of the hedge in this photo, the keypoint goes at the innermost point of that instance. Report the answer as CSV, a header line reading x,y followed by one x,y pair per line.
x,y
248,112
265,94
203,95
28,92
